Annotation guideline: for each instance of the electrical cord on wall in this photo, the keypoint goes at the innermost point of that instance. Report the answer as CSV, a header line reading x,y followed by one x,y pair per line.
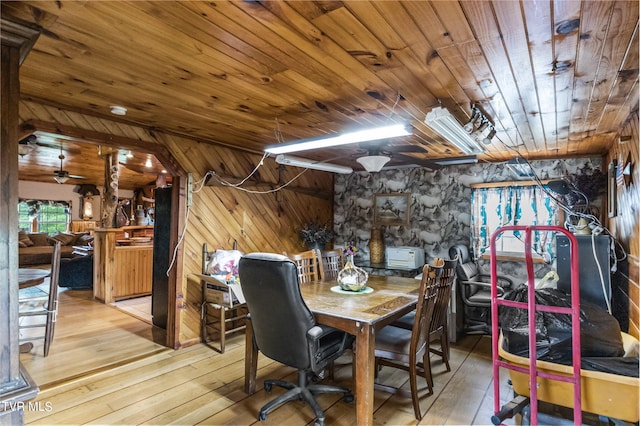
x,y
211,173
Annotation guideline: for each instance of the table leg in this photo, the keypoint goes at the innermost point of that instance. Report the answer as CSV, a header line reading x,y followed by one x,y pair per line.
x,y
365,364
250,360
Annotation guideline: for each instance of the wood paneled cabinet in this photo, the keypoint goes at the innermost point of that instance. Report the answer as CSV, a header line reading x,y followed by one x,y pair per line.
x,y
121,271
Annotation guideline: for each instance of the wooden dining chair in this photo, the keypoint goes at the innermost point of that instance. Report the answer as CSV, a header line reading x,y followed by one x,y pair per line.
x,y
308,265
44,307
438,329
221,313
409,349
332,261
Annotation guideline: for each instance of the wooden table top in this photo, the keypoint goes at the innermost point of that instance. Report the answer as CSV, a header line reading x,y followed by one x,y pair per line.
x,y
390,294
28,277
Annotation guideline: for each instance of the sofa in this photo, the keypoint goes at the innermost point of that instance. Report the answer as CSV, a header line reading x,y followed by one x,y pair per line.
x,y
76,273
35,248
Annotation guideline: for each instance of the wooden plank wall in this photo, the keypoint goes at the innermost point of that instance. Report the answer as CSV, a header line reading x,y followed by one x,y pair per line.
x,y
624,226
219,215
133,274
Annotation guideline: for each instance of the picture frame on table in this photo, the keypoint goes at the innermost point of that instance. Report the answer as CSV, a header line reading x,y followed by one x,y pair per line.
x,y
391,209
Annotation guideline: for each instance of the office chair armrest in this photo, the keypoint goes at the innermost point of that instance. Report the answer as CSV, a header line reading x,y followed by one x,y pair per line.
x,y
319,331
504,282
479,284
326,344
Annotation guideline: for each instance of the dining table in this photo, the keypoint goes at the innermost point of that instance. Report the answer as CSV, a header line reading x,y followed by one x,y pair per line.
x,y
29,277
361,314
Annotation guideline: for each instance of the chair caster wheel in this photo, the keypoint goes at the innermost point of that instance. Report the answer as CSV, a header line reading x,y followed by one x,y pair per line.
x,y
268,387
348,397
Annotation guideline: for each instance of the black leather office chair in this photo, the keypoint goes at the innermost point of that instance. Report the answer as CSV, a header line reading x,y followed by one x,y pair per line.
x,y
475,290
285,329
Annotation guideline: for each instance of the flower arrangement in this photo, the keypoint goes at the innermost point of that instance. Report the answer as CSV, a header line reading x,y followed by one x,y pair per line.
x,y
350,249
314,234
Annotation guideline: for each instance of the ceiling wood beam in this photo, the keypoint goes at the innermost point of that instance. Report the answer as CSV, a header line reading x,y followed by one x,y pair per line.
x,y
19,34
97,138
128,122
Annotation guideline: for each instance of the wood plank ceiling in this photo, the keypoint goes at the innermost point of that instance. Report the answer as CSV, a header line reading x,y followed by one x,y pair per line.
x,y
557,78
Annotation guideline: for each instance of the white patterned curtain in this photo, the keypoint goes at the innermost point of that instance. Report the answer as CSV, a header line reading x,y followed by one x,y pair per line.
x,y
493,208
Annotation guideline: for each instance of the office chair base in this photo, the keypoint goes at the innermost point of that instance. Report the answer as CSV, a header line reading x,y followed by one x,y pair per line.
x,y
303,392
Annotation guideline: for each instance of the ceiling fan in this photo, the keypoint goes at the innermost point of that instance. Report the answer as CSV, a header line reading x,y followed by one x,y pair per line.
x,y
391,156
378,156
61,176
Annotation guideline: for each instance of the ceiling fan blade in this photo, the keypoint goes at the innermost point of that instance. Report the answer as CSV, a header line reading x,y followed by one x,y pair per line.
x,y
403,148
430,164
464,159
56,146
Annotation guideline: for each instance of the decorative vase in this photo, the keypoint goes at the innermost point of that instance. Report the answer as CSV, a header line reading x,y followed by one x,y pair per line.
x,y
352,278
141,218
376,246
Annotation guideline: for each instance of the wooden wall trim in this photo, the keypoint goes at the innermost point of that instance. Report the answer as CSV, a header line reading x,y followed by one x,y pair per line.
x,y
19,34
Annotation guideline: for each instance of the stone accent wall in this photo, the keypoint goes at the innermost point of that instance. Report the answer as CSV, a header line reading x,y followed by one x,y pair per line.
x,y
440,204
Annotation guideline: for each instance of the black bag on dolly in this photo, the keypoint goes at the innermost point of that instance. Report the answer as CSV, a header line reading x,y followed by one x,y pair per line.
x,y
599,332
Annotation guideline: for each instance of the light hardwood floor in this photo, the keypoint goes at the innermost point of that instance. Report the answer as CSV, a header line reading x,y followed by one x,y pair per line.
x,y
110,372
90,337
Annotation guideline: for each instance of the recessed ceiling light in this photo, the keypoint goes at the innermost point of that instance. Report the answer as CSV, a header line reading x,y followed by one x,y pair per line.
x,y
129,154
118,110
148,163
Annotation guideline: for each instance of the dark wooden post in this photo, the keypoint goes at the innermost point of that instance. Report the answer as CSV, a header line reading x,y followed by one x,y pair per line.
x,y
15,386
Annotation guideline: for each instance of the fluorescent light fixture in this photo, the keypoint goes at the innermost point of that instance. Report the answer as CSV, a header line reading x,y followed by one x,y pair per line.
x,y
289,160
385,132
442,122
373,163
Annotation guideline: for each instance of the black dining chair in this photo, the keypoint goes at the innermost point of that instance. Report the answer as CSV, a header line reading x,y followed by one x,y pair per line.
x,y
285,330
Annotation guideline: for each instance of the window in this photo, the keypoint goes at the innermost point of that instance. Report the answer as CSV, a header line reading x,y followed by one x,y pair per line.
x,y
496,206
24,222
44,215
